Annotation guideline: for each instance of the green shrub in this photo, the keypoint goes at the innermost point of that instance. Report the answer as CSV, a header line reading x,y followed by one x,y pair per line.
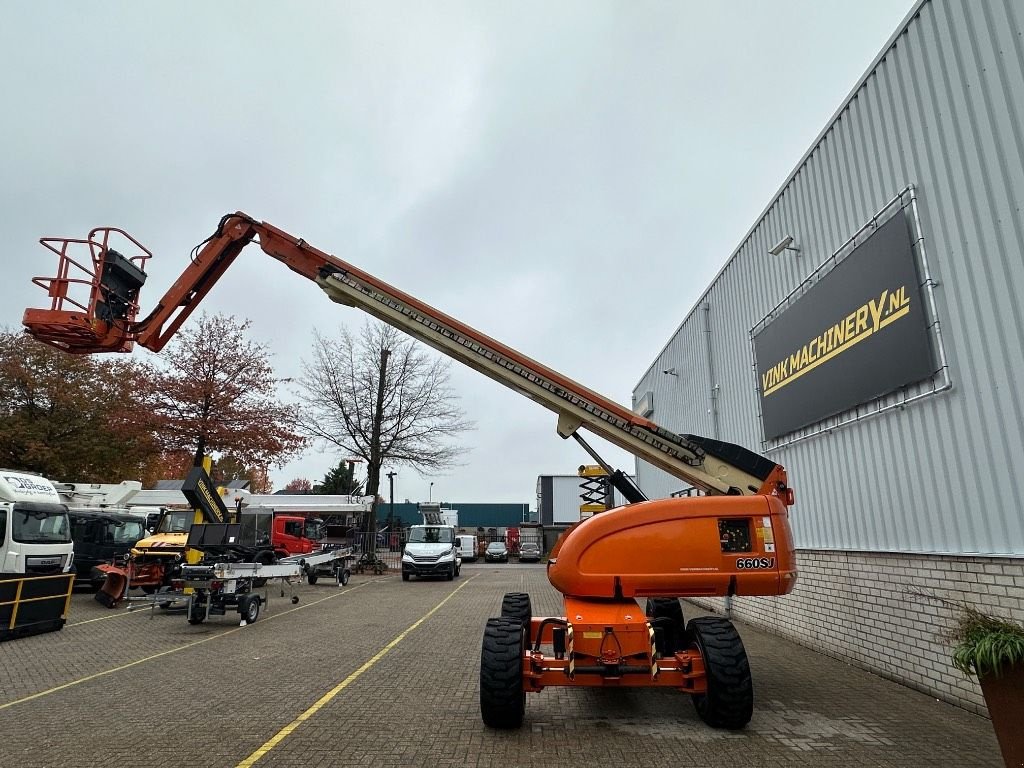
x,y
986,645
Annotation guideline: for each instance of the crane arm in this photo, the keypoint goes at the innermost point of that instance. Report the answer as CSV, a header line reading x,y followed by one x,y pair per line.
x,y
715,467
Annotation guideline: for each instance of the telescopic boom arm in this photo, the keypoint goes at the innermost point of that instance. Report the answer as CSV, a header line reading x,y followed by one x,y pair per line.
x,y
108,323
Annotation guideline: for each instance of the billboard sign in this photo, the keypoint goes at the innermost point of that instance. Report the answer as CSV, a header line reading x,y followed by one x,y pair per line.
x,y
857,334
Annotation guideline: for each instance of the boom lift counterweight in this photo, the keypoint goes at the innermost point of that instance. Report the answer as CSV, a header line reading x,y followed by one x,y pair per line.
x,y
734,540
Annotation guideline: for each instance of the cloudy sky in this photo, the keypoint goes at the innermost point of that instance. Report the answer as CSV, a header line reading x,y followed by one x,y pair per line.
x,y
564,176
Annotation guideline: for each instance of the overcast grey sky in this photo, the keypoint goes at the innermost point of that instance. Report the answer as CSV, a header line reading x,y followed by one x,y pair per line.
x,y
564,176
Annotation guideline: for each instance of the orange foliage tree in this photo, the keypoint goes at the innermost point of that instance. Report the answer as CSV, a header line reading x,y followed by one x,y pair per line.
x,y
73,418
214,391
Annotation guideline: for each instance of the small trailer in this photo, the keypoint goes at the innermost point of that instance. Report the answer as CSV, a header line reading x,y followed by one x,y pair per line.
x,y
219,585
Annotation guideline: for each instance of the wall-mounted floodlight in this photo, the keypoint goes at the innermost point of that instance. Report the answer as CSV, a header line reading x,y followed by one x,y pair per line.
x,y
785,244
670,371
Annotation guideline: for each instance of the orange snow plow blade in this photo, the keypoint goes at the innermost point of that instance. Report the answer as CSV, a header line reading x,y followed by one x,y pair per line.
x,y
115,586
149,576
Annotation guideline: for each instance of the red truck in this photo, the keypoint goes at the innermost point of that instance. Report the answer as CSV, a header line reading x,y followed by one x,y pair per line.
x,y
278,534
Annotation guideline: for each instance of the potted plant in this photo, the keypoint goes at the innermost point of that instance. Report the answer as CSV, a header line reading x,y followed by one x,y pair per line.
x,y
992,649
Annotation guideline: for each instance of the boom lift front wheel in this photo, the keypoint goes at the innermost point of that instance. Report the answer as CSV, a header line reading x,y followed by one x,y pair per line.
x,y
729,701
502,696
666,615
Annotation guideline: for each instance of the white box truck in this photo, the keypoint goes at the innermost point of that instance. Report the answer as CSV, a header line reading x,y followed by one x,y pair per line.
x,y
36,556
35,533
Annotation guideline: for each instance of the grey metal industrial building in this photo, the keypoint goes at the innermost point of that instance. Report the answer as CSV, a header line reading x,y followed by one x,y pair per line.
x,y
895,403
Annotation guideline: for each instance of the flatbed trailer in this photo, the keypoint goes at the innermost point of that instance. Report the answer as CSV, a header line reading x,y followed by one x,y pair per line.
x,y
222,586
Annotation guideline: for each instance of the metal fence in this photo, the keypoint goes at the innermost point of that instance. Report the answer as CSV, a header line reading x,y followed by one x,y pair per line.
x,y
387,546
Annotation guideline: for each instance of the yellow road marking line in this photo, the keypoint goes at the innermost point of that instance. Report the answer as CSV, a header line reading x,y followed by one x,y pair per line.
x,y
117,615
327,697
135,663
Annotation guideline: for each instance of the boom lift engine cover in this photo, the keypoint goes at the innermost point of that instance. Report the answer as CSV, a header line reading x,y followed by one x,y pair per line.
x,y
733,540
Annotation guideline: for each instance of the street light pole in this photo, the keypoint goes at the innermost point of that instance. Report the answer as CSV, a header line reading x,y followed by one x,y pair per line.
x,y
391,507
430,492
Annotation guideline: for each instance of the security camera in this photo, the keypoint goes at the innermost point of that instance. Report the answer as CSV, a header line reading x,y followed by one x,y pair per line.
x,y
670,371
783,245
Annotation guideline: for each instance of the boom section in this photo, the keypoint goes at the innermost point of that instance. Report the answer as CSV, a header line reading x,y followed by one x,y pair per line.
x,y
714,467
575,405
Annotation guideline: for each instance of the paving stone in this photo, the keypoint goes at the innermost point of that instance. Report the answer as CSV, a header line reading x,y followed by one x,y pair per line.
x,y
142,690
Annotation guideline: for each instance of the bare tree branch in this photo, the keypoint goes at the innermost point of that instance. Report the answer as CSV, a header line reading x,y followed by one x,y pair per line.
x,y
420,415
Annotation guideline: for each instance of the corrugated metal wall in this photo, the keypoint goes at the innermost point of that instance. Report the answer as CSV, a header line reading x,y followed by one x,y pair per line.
x,y
471,514
559,498
942,109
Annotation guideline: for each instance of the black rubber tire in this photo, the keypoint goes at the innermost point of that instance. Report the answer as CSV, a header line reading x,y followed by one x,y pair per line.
x,y
458,569
502,696
516,605
343,576
729,701
264,557
249,608
196,613
450,574
165,604
311,577
405,575
672,626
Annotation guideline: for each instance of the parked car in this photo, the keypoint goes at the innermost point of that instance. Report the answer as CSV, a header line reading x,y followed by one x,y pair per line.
x,y
529,552
496,552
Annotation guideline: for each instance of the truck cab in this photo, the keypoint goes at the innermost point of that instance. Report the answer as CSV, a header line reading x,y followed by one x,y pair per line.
x,y
431,550
35,533
283,533
297,535
102,536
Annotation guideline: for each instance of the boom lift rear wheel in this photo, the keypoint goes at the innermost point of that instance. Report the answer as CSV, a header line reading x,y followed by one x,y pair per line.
x,y
502,696
516,605
729,701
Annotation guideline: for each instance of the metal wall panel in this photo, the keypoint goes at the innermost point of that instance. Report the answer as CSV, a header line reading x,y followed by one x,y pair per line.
x,y
942,110
562,498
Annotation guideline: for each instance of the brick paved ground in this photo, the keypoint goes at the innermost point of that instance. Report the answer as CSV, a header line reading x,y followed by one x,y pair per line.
x,y
218,692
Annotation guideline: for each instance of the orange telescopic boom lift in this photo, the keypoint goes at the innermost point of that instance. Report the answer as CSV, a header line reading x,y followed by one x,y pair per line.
x,y
733,540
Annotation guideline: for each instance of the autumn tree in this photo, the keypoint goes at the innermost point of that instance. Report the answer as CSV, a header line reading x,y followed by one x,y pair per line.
x,y
382,397
299,485
214,391
73,418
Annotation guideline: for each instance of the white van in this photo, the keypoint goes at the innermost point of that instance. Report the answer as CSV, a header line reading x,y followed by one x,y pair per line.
x,y
467,547
431,551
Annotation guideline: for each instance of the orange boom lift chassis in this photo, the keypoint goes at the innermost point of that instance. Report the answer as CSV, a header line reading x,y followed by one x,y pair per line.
x,y
733,540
